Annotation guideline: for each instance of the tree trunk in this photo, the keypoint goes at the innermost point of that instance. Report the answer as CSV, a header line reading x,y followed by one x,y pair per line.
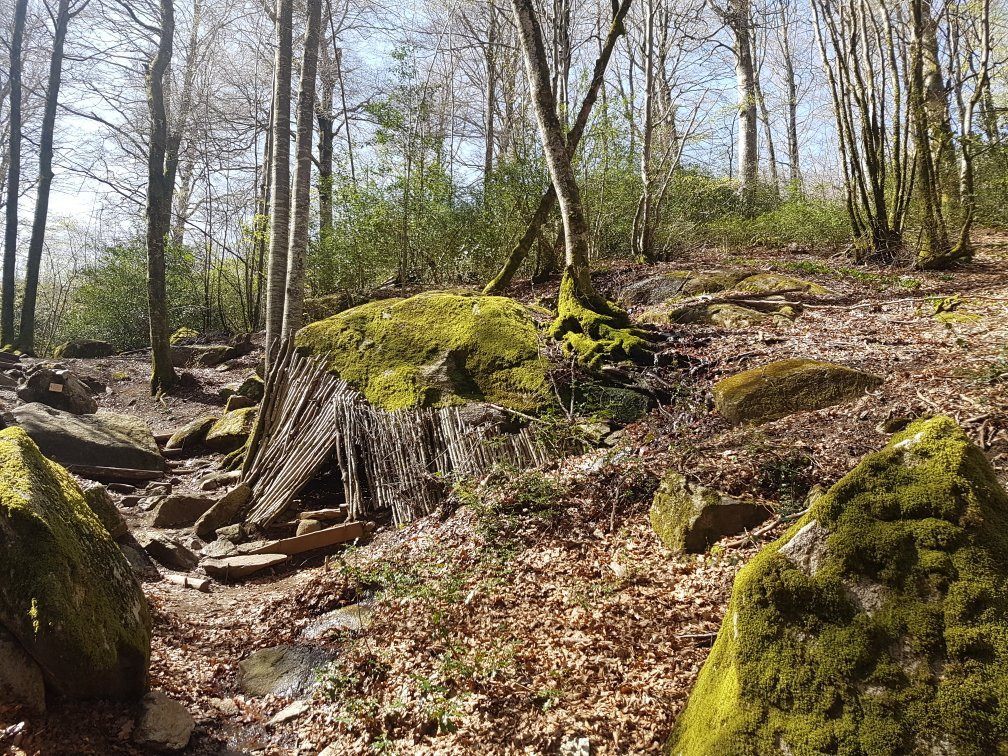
x,y
558,157
26,331
13,178
794,166
297,251
745,78
162,161
521,250
490,96
276,276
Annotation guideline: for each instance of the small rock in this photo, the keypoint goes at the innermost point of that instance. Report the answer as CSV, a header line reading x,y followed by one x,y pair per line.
x,y
237,402
59,389
121,488
234,533
191,434
129,501
141,563
177,510
355,617
219,549
308,526
158,489
224,511
163,724
168,552
286,714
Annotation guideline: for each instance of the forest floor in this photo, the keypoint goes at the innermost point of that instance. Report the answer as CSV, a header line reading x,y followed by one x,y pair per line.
x,y
540,613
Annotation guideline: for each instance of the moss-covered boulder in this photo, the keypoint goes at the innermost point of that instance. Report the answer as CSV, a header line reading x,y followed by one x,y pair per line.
x,y
183,335
84,348
108,514
878,624
66,591
783,388
320,308
690,517
724,314
232,430
192,434
765,283
435,349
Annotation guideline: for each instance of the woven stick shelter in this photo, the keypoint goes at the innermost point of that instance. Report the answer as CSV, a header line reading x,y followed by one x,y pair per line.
x,y
390,462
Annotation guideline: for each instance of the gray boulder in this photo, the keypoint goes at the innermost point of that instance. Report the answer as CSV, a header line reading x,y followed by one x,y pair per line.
x,y
21,680
84,348
224,511
180,510
104,439
60,389
281,670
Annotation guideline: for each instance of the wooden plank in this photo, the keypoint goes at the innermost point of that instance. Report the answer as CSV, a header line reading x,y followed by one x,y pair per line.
x,y
114,474
320,539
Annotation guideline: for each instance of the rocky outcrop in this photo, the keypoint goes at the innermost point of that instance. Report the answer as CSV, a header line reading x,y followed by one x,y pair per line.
x,y
877,624
67,593
84,348
59,389
435,349
724,314
783,388
690,517
104,439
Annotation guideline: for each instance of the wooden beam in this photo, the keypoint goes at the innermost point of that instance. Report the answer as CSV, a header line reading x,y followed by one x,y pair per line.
x,y
320,539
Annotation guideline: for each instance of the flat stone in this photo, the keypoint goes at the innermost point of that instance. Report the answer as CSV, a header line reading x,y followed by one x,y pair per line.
x,y
282,670
353,618
237,567
104,439
163,724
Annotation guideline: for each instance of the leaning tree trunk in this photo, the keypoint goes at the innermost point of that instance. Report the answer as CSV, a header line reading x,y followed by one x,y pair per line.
x,y
26,331
276,275
13,177
297,249
521,250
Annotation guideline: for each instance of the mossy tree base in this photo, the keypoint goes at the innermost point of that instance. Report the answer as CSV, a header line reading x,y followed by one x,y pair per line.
x,y
878,624
595,330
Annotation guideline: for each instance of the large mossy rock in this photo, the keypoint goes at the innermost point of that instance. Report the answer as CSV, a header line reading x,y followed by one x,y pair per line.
x,y
105,439
66,591
435,349
84,348
766,283
689,517
877,625
232,430
783,388
320,308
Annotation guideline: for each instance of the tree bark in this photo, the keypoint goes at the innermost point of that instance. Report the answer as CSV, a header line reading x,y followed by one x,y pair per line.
x,y
521,250
162,162
297,250
7,334
276,277
26,330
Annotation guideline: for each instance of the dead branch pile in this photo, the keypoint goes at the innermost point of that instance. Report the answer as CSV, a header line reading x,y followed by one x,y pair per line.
x,y
390,462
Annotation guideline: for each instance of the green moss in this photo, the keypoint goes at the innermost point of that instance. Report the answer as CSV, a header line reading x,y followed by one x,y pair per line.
x,y
183,335
788,386
764,283
435,349
596,335
66,592
232,430
896,643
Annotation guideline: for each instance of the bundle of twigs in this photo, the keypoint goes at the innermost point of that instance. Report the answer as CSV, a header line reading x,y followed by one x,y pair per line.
x,y
396,462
